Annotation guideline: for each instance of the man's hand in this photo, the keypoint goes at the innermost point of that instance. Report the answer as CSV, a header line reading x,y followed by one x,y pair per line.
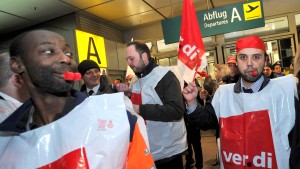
x,y
190,93
221,83
136,108
297,80
122,87
203,94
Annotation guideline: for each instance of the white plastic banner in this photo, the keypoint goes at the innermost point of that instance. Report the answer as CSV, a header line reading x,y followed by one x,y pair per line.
x,y
254,127
95,134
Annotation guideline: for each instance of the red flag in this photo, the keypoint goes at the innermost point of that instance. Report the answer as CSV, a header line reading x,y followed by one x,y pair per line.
x,y
191,52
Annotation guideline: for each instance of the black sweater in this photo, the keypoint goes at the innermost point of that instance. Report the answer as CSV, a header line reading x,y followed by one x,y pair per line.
x,y
169,91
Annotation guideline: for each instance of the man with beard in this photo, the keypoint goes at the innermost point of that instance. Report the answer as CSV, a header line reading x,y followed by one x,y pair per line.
x,y
60,127
157,97
258,117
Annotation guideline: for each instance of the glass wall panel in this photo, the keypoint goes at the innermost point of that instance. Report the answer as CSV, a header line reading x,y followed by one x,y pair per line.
x,y
173,61
164,62
272,26
297,17
277,49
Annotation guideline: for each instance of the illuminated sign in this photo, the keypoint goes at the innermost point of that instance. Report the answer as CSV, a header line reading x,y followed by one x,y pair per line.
x,y
252,10
91,47
231,18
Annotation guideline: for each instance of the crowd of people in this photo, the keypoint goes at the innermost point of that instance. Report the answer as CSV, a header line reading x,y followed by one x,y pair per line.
x,y
252,105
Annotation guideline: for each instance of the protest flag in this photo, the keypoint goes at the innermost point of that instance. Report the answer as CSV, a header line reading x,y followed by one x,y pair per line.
x,y
191,52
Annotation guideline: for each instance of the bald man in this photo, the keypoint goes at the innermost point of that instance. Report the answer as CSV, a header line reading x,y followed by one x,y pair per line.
x,y
13,91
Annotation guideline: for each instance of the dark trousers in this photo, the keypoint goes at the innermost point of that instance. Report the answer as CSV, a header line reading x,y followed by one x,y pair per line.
x,y
194,142
174,163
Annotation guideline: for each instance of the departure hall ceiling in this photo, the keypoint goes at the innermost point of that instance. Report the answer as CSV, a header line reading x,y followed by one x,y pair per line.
x,y
128,14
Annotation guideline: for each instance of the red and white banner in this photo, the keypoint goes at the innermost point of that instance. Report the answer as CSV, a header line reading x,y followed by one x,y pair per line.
x,y
254,130
240,145
94,135
191,52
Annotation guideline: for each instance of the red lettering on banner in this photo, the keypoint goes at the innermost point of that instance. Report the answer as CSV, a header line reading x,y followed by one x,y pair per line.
x,y
110,124
188,52
258,160
191,47
246,141
74,159
101,124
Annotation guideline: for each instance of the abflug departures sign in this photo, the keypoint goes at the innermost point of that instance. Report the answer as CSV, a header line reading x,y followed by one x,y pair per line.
x,y
231,18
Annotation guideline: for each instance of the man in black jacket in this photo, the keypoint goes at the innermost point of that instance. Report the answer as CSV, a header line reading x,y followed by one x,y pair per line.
x,y
156,96
259,118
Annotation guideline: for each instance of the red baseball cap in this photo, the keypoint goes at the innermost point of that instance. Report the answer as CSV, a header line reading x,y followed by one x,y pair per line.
x,y
231,59
250,42
129,76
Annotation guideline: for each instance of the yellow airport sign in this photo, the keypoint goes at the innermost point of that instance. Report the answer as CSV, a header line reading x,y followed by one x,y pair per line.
x,y
252,10
91,47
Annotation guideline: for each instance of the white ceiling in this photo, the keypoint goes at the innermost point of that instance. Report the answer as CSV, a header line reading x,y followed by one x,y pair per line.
x,y
18,14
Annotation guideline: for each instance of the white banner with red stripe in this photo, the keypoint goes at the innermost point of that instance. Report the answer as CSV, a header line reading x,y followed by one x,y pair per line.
x,y
191,51
95,134
254,127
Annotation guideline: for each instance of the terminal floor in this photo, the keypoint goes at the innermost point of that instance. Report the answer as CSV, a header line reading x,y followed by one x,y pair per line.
x,y
209,149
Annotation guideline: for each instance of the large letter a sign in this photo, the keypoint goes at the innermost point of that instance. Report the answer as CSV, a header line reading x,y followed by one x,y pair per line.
x,y
91,47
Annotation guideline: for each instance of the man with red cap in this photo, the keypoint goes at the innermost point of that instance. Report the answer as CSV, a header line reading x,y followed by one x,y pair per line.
x,y
234,73
258,118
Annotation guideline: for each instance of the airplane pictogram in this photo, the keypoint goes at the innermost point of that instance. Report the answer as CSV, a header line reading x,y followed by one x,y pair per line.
x,y
252,8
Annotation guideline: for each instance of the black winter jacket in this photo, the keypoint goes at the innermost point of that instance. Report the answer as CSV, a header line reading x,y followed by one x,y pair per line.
x,y
169,91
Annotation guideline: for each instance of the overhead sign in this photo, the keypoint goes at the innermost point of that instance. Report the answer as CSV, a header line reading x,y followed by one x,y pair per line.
x,y
231,18
91,47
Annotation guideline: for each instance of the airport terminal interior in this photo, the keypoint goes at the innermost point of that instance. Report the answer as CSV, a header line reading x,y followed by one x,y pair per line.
x,y
118,22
